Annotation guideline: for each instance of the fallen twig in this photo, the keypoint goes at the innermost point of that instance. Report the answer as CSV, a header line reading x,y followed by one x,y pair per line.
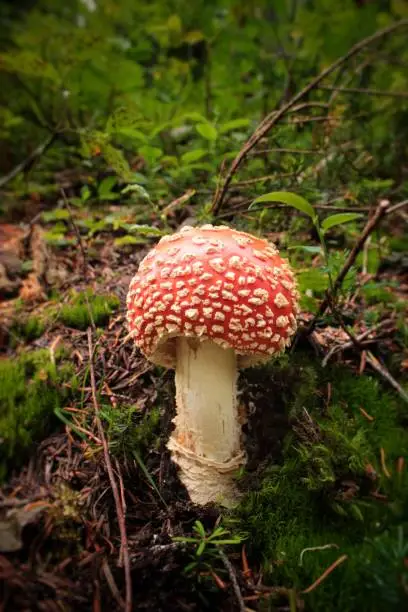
x,y
383,464
396,207
325,574
369,92
373,361
354,340
112,584
228,566
274,117
114,486
382,370
78,236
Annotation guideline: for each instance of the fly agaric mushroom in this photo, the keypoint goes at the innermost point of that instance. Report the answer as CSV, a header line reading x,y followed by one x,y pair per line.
x,y
205,301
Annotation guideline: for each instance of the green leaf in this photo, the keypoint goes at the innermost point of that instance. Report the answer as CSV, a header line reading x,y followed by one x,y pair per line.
x,y
184,539
200,549
194,116
199,528
235,124
227,542
151,154
308,249
59,214
339,219
313,280
207,131
85,193
145,230
290,199
193,37
128,240
148,476
60,413
137,189
192,156
105,188
132,133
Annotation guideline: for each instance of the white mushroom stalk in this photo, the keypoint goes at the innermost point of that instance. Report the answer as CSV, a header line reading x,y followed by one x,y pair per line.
x,y
206,443
206,301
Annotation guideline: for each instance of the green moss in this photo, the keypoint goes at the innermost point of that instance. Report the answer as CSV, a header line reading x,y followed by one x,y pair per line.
x,y
319,492
28,329
130,431
31,387
85,307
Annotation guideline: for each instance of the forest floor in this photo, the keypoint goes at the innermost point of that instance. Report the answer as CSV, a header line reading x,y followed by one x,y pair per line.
x,y
89,389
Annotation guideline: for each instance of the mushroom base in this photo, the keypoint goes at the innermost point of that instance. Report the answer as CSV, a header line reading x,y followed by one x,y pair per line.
x,y
206,442
207,481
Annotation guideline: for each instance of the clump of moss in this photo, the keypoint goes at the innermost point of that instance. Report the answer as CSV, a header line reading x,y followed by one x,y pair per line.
x,y
84,307
28,329
130,431
321,489
31,388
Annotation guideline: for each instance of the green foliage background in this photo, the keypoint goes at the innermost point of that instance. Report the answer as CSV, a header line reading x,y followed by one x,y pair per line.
x,y
180,85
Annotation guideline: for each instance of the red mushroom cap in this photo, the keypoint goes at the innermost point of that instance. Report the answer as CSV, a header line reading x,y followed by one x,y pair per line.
x,y
213,283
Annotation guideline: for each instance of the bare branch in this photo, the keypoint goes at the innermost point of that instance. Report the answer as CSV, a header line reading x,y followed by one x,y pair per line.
x,y
274,117
112,479
228,566
28,163
369,92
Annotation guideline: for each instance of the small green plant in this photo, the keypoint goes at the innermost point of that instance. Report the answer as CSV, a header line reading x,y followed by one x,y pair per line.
x,y
322,227
128,430
207,546
85,308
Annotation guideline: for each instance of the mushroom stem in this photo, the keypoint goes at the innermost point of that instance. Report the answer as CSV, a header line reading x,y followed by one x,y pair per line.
x,y
206,442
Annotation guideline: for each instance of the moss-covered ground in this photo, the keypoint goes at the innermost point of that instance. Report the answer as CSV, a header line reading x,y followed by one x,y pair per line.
x,y
339,487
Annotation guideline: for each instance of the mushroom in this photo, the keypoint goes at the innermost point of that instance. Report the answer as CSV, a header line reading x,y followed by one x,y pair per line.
x,y
206,301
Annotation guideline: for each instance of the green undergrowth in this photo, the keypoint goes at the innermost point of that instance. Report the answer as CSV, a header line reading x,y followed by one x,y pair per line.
x,y
80,310
32,386
128,430
85,308
28,328
330,488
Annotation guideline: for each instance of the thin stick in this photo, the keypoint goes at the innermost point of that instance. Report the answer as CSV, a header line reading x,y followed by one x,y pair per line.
x,y
393,209
325,574
382,370
369,92
274,117
77,233
114,486
27,164
355,340
383,464
369,228
287,150
228,566
123,501
112,584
